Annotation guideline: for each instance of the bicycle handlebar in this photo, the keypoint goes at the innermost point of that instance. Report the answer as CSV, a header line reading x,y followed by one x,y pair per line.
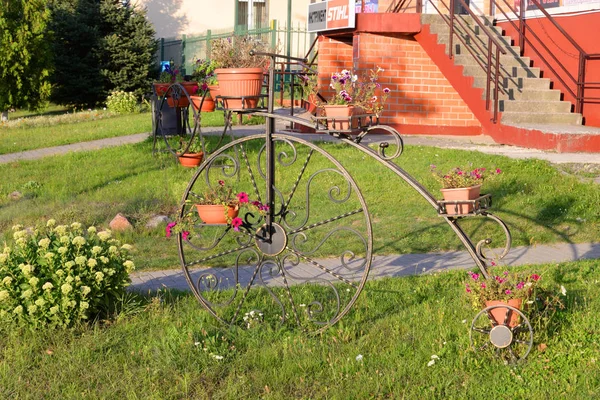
x,y
274,55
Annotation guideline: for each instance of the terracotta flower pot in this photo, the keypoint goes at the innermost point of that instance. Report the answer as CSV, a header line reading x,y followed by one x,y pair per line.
x,y
191,160
182,101
310,104
214,91
499,313
340,116
238,82
207,106
216,214
460,194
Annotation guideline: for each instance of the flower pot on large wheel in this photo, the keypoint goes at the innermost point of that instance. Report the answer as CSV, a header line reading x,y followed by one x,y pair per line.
x,y
208,105
216,214
338,116
244,83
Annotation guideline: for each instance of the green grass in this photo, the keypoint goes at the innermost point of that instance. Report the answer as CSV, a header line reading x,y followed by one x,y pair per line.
x,y
166,350
539,204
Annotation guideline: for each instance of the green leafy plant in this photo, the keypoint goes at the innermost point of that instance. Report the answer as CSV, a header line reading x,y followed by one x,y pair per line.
x,y
204,72
170,74
461,177
234,52
122,102
58,274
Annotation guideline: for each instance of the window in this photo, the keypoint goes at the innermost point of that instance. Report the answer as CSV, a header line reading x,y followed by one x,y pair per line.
x,y
251,14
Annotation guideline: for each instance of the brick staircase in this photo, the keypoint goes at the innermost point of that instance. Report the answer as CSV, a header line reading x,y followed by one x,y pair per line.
x,y
525,97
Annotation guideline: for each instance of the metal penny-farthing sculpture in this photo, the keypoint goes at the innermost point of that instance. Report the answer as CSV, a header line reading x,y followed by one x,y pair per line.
x,y
305,260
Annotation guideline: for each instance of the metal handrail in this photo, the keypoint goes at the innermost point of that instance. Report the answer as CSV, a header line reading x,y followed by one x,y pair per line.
x,y
492,41
583,56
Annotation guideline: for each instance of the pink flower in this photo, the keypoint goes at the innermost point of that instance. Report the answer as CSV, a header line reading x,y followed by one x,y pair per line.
x,y
185,235
474,276
520,285
263,207
468,289
535,277
386,90
508,291
221,183
483,285
242,197
236,223
493,263
498,170
169,228
505,273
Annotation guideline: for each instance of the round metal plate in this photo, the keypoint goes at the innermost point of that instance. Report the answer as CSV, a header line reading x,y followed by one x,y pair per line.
x,y
271,244
501,336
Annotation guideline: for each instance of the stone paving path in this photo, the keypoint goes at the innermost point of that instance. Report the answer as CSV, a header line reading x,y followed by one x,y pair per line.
x,y
382,266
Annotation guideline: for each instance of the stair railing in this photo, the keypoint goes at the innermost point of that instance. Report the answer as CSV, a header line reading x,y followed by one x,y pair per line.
x,y
492,66
523,29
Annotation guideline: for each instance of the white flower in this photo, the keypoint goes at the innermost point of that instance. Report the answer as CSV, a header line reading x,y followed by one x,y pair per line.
x,y
32,309
18,310
129,266
359,357
3,258
104,260
76,226
84,305
66,288
49,255
430,363
96,249
71,264
127,247
92,262
47,286
85,290
4,295
91,229
197,343
217,357
34,281
51,223
99,276
78,240
62,250
27,294
80,260
434,357
26,269
7,281
65,240
44,243
563,291
113,250
104,235
61,230
40,302
464,321
53,310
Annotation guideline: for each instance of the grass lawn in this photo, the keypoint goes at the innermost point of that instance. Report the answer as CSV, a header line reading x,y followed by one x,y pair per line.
x,y
30,131
167,347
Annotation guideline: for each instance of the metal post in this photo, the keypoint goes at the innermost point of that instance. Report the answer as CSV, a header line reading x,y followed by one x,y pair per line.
x,y
580,84
450,45
496,100
182,63
269,150
208,43
488,74
522,26
162,49
289,29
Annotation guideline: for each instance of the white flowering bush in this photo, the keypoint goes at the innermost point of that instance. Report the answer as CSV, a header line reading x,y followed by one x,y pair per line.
x,y
59,274
122,102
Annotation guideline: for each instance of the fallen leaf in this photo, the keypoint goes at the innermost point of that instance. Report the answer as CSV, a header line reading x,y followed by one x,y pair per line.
x,y
49,352
542,347
267,389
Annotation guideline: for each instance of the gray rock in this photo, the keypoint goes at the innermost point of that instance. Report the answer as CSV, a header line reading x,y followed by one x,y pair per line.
x,y
157,220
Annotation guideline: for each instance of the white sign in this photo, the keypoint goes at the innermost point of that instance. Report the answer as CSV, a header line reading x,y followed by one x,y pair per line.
x,y
332,14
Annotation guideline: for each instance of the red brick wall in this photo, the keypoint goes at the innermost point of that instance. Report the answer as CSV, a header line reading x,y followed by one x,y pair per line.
x,y
421,95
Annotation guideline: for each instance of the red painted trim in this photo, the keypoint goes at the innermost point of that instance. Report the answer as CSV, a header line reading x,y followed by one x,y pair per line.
x,y
396,23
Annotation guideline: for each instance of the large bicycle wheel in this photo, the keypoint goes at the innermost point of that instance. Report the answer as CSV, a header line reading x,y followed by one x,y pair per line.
x,y
316,262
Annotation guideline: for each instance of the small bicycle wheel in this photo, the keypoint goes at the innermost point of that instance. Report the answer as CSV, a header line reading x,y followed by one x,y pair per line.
x,y
308,267
503,331
177,121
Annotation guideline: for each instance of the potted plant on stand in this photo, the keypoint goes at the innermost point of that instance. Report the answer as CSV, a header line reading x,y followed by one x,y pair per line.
x,y
193,155
351,96
462,185
207,80
170,75
240,74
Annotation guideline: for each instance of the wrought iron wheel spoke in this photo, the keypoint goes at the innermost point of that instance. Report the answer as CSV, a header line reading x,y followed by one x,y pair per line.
x,y
326,221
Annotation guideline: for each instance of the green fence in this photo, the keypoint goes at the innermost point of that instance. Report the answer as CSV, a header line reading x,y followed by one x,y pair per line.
x,y
295,41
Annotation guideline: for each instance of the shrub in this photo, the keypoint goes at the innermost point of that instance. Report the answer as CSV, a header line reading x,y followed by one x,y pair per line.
x,y
122,102
58,275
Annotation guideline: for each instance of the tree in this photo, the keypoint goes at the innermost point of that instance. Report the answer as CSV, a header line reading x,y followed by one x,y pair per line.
x,y
128,47
25,55
76,79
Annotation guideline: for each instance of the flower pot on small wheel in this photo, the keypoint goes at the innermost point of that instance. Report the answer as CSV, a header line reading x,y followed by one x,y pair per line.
x,y
208,105
458,195
216,214
499,314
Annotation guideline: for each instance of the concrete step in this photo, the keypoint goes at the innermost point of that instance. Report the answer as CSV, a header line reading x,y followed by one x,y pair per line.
x,y
512,117
559,107
516,84
506,60
476,70
541,95
480,46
